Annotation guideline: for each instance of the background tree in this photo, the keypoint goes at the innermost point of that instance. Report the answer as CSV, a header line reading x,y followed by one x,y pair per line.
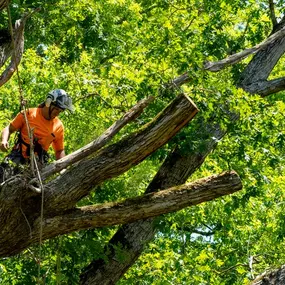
x,y
109,56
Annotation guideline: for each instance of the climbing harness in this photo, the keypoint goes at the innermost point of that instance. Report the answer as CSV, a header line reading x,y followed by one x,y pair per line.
x,y
33,161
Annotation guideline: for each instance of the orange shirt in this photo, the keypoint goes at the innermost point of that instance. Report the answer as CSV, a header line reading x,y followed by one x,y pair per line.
x,y
46,131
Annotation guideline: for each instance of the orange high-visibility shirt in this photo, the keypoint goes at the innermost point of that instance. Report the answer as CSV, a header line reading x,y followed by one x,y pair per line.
x,y
47,132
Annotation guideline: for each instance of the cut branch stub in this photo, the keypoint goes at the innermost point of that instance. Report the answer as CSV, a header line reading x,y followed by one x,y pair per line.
x,y
116,159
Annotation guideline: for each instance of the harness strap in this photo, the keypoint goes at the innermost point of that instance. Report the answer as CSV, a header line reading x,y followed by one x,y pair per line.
x,y
38,149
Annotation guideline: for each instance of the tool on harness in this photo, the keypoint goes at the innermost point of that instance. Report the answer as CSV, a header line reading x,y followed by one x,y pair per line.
x,y
41,154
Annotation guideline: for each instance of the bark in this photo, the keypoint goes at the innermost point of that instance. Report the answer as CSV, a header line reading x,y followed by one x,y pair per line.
x,y
253,73
20,208
16,53
235,58
275,277
149,205
12,45
5,46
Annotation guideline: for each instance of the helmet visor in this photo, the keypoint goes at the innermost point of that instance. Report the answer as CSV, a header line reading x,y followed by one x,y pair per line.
x,y
64,102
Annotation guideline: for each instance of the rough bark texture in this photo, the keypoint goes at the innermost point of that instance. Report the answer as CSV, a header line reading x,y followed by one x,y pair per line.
x,y
5,46
176,170
275,277
20,208
278,36
149,205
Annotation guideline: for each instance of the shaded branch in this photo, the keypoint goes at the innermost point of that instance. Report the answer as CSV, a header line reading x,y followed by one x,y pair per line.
x,y
266,88
276,277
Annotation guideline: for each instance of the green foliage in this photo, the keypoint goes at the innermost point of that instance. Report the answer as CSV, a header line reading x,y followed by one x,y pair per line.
x,y
110,54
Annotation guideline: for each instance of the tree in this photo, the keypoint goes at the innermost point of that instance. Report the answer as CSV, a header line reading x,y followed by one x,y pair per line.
x,y
62,193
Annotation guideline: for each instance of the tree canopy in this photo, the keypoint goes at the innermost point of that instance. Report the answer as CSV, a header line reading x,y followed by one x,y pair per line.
x,y
226,56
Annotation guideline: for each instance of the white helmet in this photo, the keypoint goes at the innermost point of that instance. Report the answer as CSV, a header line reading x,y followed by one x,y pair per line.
x,y
59,98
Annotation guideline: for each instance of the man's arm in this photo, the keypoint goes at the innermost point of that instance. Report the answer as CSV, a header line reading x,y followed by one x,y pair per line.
x,y
59,154
4,146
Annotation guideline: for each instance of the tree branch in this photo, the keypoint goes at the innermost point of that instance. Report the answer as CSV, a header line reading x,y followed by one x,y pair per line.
x,y
272,13
119,157
235,58
266,88
97,144
149,205
18,47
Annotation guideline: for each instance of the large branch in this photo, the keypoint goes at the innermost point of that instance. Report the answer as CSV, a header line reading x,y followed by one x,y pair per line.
x,y
149,205
97,144
119,157
254,78
265,87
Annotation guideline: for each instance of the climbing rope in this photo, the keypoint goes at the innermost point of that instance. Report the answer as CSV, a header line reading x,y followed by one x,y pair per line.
x,y
33,161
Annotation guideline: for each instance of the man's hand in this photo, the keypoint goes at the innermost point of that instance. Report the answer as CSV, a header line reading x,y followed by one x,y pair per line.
x,y
4,146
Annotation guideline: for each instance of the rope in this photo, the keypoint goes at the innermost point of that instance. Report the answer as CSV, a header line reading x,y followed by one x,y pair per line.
x,y
22,100
42,216
33,161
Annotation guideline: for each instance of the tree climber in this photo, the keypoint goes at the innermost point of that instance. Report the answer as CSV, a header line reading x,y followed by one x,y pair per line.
x,y
47,130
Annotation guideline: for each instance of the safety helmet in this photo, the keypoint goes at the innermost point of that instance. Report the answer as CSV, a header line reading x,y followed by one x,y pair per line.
x,y
59,98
